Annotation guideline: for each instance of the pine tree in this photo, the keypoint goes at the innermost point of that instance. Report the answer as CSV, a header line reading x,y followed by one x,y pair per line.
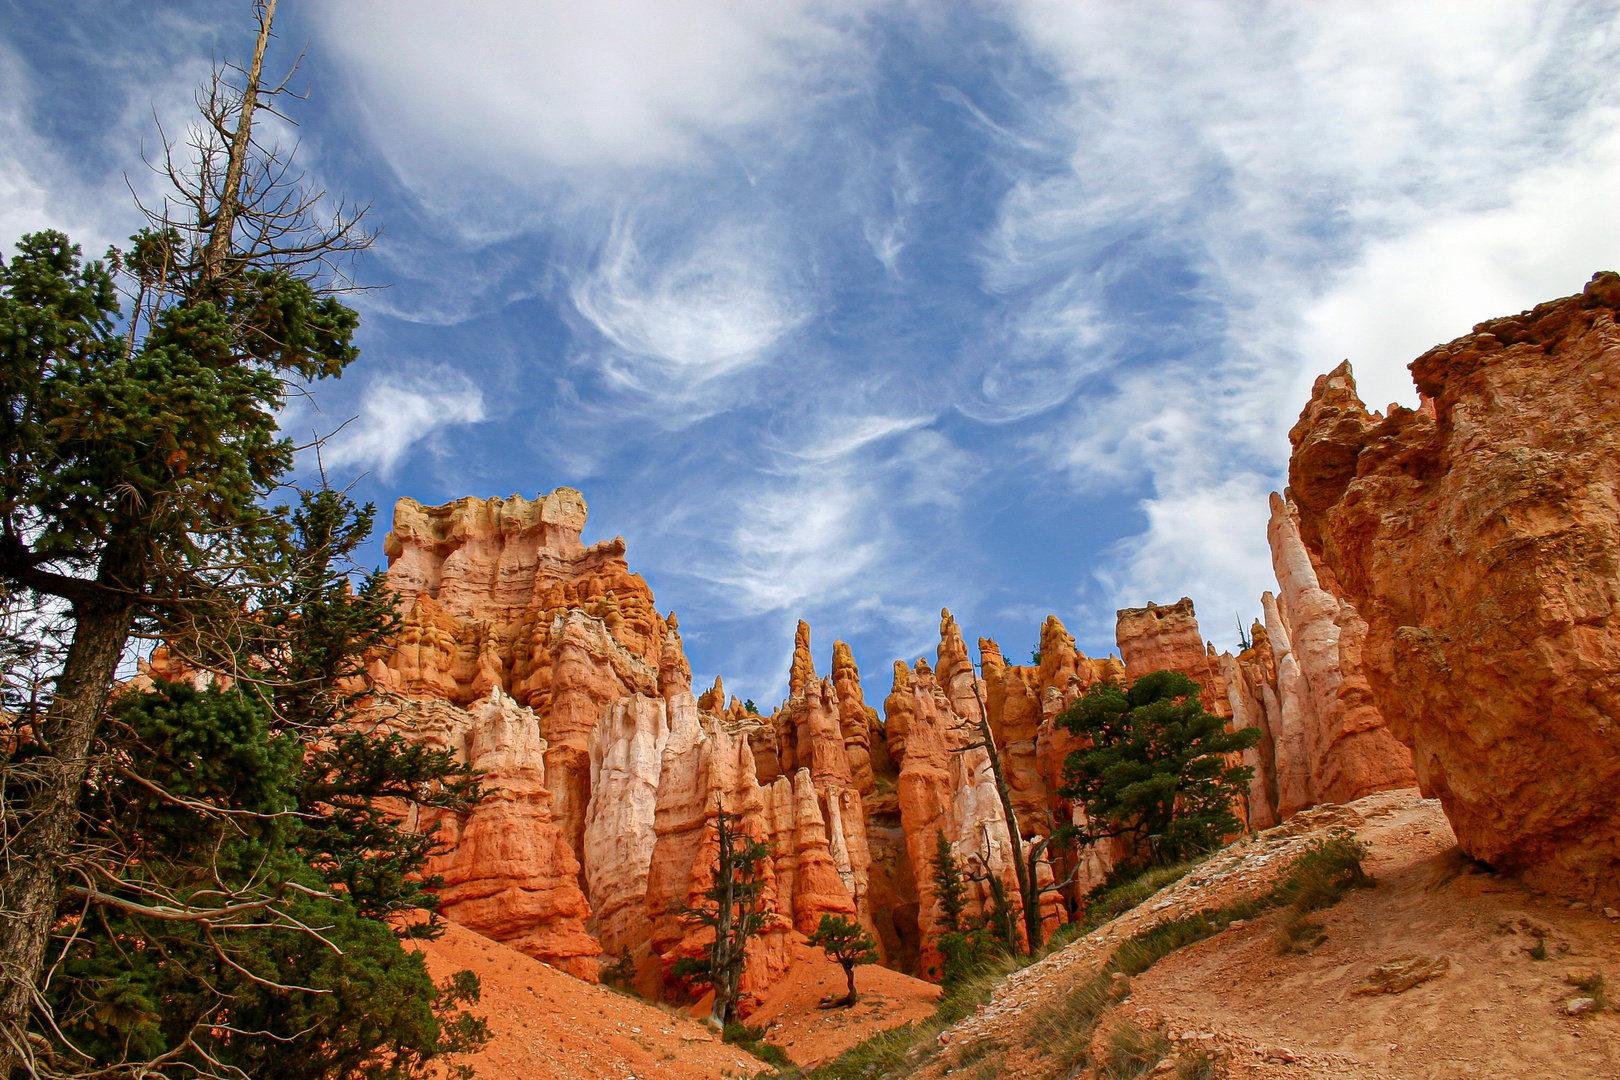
x,y
735,910
1156,773
138,448
846,944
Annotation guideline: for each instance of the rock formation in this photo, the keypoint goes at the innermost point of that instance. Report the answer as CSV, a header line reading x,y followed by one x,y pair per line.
x,y
1155,638
1478,538
509,872
606,774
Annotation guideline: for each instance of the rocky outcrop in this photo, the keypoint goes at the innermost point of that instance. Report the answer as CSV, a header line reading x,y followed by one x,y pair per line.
x,y
1156,638
508,871
1478,538
1348,749
606,775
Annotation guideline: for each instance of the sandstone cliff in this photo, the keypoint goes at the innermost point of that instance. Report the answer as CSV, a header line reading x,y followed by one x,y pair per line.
x,y
1478,537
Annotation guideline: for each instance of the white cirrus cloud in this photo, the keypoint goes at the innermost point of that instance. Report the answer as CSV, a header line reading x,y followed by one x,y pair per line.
x,y
609,83
713,306
399,411
1284,185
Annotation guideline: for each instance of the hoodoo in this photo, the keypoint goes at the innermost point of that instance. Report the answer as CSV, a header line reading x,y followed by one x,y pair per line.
x,y
544,662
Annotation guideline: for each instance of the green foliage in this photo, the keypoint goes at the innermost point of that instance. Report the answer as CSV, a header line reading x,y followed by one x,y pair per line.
x,y
1035,656
950,891
752,1039
1109,900
1156,772
844,941
751,707
151,452
965,950
846,944
734,909
315,630
1329,868
1132,1051
285,979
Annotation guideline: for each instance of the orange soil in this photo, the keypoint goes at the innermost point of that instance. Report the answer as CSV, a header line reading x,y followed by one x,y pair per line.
x,y
1496,1012
813,1035
546,1025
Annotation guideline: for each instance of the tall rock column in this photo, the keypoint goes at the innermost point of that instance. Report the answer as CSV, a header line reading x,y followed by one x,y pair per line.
x,y
1351,752
626,764
509,873
1156,638
857,720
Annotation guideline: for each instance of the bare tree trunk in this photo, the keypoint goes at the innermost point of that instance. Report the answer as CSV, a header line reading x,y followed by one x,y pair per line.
x,y
849,973
37,845
219,236
1028,891
721,963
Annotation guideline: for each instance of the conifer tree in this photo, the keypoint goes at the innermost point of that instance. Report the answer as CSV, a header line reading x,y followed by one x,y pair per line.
x,y
734,908
846,944
138,445
1156,773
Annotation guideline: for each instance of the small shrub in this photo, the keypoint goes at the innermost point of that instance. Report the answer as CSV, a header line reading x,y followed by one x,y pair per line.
x,y
752,1040
1132,1051
1592,985
988,1069
976,1051
1329,868
1538,951
1298,932
1199,1064
621,974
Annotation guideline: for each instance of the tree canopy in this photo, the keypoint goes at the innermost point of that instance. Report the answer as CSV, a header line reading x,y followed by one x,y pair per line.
x,y
1158,771
846,944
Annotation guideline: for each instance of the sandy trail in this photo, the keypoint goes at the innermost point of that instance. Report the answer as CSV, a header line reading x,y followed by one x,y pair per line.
x,y
1497,1012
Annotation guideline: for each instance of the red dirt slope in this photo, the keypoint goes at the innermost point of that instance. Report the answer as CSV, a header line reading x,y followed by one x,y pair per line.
x,y
550,1026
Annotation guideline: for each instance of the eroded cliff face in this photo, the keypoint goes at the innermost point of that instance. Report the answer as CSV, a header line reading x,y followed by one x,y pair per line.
x,y
611,773
1478,538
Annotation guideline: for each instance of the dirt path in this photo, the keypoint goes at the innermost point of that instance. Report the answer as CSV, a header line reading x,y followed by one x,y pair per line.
x,y
1495,1013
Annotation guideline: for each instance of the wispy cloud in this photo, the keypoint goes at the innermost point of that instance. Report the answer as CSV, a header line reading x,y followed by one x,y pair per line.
x,y
1258,191
674,323
399,411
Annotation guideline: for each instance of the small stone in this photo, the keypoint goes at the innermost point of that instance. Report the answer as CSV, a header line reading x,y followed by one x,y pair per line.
x,y
1609,912
1577,976
1576,1006
1164,1065
1577,906
1237,924
1403,973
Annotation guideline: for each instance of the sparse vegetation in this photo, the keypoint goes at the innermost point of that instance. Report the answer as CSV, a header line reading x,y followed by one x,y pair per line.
x,y
1199,1064
752,1039
1132,1051
1591,984
1064,1031
1156,773
734,908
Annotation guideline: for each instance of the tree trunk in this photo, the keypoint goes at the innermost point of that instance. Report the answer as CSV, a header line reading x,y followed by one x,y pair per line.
x,y
40,838
1028,889
230,195
849,973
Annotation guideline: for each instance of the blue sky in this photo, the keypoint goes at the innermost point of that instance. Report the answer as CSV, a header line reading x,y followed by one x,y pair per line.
x,y
849,311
